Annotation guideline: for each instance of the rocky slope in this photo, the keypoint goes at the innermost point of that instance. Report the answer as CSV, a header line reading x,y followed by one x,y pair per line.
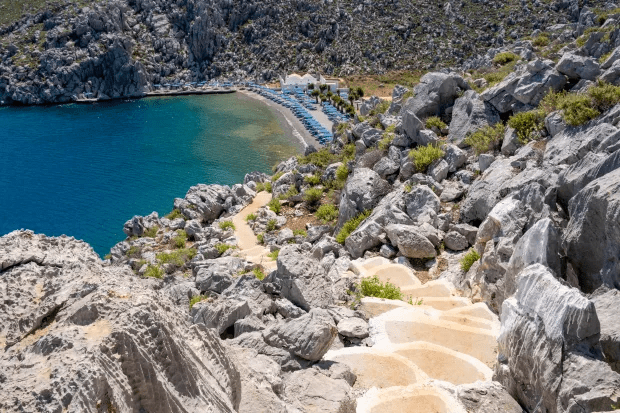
x,y
119,48
494,240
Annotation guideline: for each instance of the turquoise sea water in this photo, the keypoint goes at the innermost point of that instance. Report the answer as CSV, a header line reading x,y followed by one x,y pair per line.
x,y
83,170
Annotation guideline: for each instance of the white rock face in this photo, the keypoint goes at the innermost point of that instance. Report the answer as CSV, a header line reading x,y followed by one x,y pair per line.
x,y
82,337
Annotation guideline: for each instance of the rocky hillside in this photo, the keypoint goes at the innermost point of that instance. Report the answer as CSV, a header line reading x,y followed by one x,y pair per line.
x,y
113,48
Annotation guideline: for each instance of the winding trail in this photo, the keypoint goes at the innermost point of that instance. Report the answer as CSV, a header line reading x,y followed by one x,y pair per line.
x,y
248,245
420,351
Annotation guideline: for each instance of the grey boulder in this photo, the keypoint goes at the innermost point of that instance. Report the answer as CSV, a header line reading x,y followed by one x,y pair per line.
x,y
353,327
469,114
578,67
409,241
362,192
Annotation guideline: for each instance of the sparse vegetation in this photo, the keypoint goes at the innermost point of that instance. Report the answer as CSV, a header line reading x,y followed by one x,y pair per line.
x,y
151,232
250,217
268,187
275,205
313,195
271,225
504,58
222,248
196,299
276,176
300,233
292,191
179,240
260,238
174,214
373,287
178,257
542,40
407,188
342,172
486,138
469,259
423,156
351,225
258,273
153,271
226,225
436,122
312,180
327,212
274,254
525,123
133,251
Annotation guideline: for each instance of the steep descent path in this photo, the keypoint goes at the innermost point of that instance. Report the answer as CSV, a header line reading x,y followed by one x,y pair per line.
x,y
419,350
246,239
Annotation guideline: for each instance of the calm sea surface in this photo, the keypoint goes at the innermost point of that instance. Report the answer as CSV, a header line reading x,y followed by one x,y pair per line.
x,y
83,170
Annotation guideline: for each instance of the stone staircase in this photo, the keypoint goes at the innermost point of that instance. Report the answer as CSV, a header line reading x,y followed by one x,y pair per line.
x,y
420,351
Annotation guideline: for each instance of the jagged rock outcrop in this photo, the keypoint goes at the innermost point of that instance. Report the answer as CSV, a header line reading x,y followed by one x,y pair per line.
x,y
84,337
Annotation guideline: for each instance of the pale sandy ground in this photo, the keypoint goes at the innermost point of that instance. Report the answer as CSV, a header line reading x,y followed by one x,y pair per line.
x,y
292,124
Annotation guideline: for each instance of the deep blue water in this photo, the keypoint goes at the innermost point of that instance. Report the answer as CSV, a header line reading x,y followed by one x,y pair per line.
x,y
83,170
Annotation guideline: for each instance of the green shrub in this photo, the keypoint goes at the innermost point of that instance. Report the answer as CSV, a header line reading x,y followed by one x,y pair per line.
x,y
260,238
300,233
541,40
153,271
327,212
373,287
436,122
505,57
320,158
250,217
196,299
226,225
469,259
178,257
222,248
268,187
276,176
275,205
174,214
407,95
342,172
271,225
408,188
260,187
151,232
274,255
486,138
312,180
604,95
134,250
577,108
524,123
107,256
351,225
258,273
423,156
604,57
292,191
382,107
313,195
179,240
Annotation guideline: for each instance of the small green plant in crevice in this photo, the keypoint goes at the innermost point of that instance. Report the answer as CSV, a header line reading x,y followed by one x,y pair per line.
x,y
133,251
342,172
226,225
300,233
107,256
250,217
292,191
486,139
174,214
351,225
373,287
153,271
312,180
274,254
180,238
416,302
196,299
436,122
313,195
268,187
260,238
178,257
271,225
276,176
151,232
275,205
541,40
222,248
423,156
327,212
407,188
604,57
260,187
382,107
505,57
387,138
469,259
525,123
258,273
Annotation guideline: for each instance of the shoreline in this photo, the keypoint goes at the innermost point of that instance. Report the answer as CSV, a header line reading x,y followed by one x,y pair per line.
x,y
288,120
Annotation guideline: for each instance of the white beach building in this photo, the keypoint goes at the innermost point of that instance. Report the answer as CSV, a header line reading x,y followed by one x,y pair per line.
x,y
295,81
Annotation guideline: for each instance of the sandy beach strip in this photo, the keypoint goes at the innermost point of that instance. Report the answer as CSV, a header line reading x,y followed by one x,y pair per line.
x,y
289,121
